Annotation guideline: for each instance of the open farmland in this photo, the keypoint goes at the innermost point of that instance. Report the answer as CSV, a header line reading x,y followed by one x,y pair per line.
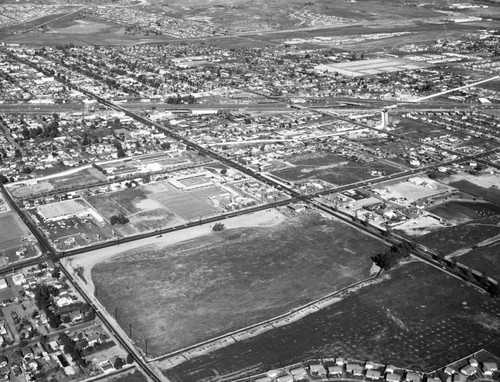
x,y
491,194
135,376
464,211
439,135
193,291
418,319
332,169
484,259
450,239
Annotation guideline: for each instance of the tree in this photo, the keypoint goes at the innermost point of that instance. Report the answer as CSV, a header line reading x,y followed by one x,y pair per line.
x,y
453,263
86,140
468,274
121,153
3,179
43,299
66,319
23,343
391,257
17,153
118,363
493,290
384,260
71,348
121,219
130,358
56,273
218,227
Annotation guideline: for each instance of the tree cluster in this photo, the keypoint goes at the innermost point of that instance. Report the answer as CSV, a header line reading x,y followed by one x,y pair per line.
x,y
391,257
74,349
218,227
189,99
44,299
119,149
120,219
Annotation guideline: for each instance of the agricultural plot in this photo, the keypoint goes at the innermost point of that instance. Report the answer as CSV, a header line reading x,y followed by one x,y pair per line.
x,y
418,129
489,193
439,135
135,376
450,239
419,318
457,212
332,169
484,259
193,291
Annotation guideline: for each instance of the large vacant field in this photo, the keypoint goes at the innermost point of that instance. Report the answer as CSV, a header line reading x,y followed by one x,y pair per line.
x,y
332,169
371,66
11,228
12,234
87,25
182,294
420,318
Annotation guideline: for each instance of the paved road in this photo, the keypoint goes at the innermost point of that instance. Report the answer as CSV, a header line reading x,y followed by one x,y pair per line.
x,y
112,326
151,371
455,89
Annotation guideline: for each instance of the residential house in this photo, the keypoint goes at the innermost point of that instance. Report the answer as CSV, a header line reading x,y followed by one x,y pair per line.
x,y
411,376
489,368
373,374
317,369
299,373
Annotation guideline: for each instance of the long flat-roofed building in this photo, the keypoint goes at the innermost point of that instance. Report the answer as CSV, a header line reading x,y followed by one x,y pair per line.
x,y
67,209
